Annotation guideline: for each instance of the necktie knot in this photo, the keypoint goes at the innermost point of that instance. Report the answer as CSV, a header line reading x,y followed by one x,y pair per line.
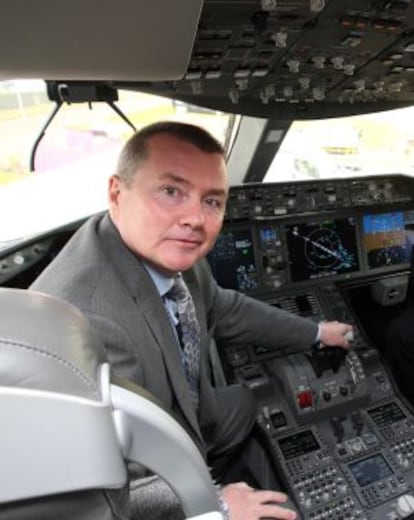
x,y
179,291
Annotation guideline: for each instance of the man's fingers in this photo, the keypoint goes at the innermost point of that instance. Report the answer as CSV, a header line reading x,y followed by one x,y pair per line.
x,y
270,496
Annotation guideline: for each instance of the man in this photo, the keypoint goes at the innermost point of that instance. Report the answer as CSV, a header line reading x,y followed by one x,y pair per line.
x,y
166,208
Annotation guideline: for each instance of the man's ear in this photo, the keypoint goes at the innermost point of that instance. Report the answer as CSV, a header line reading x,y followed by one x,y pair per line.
x,y
114,188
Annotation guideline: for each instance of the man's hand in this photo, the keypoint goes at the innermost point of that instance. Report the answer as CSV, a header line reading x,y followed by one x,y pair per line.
x,y
245,503
335,334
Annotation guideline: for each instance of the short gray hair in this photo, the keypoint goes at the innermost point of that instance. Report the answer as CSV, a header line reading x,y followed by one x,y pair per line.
x,y
135,151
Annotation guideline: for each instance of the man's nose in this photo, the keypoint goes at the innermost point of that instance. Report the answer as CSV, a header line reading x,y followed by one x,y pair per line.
x,y
193,214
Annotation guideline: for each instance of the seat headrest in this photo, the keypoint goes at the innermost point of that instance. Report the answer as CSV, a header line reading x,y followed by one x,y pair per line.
x,y
47,344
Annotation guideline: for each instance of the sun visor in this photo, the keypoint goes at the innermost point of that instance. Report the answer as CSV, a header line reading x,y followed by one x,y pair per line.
x,y
124,40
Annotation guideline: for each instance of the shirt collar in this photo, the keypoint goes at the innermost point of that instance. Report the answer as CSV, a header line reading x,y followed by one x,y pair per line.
x,y
162,282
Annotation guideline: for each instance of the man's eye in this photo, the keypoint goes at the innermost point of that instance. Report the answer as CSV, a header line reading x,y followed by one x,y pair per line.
x,y
214,203
170,190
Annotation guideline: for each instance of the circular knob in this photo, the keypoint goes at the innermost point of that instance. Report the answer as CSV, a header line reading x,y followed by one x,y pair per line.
x,y
349,69
356,445
280,39
304,83
293,65
308,503
276,283
19,259
4,266
405,505
319,61
338,62
318,93
326,396
343,390
343,488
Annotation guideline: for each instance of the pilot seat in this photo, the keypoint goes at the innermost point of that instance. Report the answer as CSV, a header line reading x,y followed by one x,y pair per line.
x,y
69,427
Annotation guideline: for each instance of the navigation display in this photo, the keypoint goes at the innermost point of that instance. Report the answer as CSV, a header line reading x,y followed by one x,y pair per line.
x,y
232,260
370,470
385,239
324,248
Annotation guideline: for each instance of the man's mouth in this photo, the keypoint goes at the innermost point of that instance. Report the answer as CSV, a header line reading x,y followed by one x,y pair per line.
x,y
190,242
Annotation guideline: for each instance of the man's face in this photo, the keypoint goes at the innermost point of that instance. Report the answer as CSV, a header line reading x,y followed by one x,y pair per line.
x,y
171,213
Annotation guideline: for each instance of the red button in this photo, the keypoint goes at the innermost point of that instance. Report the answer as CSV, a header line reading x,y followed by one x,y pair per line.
x,y
305,399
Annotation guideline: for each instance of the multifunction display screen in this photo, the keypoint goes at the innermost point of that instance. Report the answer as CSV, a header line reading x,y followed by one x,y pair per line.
x,y
368,471
386,414
385,239
298,444
322,248
233,262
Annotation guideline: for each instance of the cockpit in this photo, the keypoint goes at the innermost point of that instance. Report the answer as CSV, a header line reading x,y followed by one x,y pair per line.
x,y
313,104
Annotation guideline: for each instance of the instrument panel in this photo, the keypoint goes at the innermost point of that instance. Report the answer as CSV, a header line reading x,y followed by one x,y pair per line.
x,y
283,246
338,430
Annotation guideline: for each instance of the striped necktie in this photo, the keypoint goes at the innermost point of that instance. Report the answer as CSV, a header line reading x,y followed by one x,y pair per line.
x,y
188,330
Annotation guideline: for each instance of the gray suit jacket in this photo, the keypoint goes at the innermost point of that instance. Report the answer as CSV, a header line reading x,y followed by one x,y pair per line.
x,y
97,273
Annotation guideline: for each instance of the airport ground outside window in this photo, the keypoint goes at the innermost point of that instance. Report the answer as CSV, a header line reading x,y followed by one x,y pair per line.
x,y
77,153
80,147
373,144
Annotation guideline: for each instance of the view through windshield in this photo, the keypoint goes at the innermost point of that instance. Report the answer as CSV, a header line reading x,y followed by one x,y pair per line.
x,y
76,155
78,151
373,144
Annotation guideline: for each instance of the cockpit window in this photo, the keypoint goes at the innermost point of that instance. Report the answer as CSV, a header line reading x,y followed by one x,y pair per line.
x,y
380,143
76,154
65,180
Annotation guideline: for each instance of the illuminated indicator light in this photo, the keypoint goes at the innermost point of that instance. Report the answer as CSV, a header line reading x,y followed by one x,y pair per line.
x,y
259,73
347,21
304,399
213,74
409,47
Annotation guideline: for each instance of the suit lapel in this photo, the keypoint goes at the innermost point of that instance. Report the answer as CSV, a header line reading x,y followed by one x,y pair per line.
x,y
149,303
155,315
